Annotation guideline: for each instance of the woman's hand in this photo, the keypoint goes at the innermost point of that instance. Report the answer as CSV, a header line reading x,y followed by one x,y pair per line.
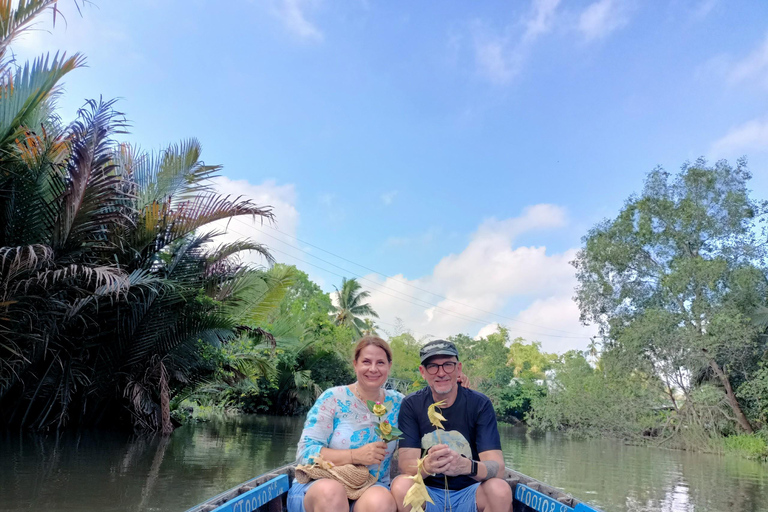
x,y
371,453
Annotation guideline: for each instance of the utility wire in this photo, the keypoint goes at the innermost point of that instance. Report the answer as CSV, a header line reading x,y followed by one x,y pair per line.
x,y
424,302
442,297
499,315
449,312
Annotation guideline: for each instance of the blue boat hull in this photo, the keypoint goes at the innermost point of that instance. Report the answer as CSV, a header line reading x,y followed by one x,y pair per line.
x,y
267,493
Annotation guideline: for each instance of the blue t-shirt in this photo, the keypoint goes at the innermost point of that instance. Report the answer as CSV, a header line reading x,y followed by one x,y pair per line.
x,y
470,429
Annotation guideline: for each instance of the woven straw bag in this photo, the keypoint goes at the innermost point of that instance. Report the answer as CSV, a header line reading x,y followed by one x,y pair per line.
x,y
354,477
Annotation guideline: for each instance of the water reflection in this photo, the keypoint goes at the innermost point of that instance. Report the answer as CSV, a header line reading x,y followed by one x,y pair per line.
x,y
618,477
109,472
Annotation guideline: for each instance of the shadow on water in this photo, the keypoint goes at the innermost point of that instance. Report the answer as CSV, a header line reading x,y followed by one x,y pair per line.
x,y
108,472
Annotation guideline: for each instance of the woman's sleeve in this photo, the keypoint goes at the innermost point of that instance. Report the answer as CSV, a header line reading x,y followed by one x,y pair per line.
x,y
318,428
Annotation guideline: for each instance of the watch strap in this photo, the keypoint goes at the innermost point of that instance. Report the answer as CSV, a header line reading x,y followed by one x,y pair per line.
x,y
473,471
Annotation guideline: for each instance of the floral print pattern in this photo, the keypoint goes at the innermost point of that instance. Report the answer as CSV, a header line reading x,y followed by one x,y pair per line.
x,y
341,421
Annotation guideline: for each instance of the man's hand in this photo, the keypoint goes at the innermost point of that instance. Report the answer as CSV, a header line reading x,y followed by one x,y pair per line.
x,y
441,459
371,453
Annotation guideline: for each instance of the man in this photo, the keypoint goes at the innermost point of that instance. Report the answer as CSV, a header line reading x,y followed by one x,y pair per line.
x,y
468,451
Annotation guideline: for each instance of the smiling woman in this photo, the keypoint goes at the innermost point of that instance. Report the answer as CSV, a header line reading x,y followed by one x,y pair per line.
x,y
341,430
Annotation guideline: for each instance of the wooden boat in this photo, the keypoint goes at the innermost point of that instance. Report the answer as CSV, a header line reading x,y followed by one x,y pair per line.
x,y
267,493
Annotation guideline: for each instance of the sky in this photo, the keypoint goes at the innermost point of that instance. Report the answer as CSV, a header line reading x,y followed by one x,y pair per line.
x,y
450,155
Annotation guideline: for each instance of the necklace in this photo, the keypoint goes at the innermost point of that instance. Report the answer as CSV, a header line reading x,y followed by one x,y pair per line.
x,y
357,393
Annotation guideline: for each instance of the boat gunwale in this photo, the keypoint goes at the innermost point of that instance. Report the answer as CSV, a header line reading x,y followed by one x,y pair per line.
x,y
511,476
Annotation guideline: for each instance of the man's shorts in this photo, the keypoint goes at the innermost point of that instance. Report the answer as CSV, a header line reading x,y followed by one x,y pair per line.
x,y
297,492
464,500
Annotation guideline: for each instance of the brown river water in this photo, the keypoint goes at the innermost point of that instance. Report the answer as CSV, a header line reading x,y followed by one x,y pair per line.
x,y
108,472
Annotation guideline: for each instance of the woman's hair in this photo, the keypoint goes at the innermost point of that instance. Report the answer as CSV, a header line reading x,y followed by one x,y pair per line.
x,y
375,341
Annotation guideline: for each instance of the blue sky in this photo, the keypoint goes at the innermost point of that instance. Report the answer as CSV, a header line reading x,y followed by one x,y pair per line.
x,y
462,148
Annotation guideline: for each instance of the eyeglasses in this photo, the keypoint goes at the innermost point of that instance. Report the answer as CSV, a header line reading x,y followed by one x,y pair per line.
x,y
448,367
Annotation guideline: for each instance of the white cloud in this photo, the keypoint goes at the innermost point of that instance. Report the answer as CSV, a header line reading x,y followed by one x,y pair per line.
x,y
487,330
388,197
423,239
560,313
703,9
490,274
753,68
601,18
541,19
282,199
500,57
291,13
496,62
75,33
751,136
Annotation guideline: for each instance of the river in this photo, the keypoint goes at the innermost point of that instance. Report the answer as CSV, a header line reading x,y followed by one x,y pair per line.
x,y
107,472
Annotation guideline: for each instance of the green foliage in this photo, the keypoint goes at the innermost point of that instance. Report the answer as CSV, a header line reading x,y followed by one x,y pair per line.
x,y
754,393
351,309
109,286
750,446
673,279
405,361
511,373
588,401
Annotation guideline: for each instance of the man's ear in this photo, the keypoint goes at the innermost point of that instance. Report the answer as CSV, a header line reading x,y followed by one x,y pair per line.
x,y
422,371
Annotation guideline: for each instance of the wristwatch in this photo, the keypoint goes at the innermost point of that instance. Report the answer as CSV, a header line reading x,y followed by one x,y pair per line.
x,y
473,471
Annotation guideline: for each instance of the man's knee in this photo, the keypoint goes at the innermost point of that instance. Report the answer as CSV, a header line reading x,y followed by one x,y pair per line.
x,y
496,493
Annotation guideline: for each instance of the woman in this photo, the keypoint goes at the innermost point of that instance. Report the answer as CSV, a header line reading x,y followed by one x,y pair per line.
x,y
340,428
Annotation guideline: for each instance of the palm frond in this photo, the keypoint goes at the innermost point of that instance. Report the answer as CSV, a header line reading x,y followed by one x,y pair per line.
x,y
15,21
95,201
32,85
176,175
256,303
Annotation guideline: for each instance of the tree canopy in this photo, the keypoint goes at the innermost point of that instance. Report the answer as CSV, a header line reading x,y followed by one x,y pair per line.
x,y
673,280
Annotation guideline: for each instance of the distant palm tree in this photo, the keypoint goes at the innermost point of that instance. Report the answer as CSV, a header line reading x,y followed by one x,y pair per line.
x,y
593,350
370,328
349,308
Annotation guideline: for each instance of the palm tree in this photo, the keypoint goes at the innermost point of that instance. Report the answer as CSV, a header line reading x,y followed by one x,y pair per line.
x,y
108,287
370,328
349,308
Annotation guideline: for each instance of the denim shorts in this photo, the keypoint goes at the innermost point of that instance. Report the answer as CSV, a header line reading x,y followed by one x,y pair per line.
x,y
297,492
463,500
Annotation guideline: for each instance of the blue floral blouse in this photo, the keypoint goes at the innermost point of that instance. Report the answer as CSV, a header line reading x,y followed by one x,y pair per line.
x,y
341,421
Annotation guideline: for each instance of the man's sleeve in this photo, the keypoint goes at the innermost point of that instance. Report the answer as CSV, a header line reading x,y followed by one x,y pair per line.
x,y
487,430
409,424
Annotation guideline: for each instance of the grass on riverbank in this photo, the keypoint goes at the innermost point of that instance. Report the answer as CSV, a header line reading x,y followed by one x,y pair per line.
x,y
750,446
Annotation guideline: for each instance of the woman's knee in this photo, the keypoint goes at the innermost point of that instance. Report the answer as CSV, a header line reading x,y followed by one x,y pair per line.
x,y
376,499
400,486
325,494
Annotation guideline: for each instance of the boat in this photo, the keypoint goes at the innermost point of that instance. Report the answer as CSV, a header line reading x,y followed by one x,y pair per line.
x,y
268,492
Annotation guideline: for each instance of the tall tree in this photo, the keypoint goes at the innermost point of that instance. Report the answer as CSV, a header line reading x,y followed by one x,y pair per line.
x,y
671,280
350,308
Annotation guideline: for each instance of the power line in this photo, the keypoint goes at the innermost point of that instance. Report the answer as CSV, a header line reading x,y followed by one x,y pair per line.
x,y
427,303
449,312
407,283
442,297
